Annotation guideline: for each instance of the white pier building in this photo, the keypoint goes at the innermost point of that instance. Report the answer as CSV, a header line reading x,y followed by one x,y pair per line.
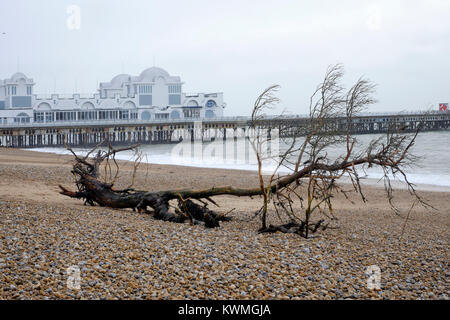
x,y
153,95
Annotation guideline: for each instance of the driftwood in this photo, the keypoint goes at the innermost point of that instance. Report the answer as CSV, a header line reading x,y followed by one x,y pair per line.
x,y
94,191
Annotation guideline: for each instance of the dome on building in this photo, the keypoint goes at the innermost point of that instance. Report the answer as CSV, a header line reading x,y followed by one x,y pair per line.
x,y
152,73
118,80
18,75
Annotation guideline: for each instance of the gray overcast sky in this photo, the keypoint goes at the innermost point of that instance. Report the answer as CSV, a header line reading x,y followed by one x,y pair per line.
x,y
238,47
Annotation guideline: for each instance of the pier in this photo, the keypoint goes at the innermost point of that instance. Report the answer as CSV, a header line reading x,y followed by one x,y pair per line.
x,y
122,132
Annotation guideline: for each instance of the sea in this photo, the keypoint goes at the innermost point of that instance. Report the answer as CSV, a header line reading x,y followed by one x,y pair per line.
x,y
431,169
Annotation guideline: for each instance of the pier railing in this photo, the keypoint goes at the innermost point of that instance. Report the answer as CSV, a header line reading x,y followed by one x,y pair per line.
x,y
108,122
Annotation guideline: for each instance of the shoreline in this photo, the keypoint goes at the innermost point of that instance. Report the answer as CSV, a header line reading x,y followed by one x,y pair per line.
x,y
122,254
370,182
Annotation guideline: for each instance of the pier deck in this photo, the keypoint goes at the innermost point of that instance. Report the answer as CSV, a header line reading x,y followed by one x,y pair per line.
x,y
85,133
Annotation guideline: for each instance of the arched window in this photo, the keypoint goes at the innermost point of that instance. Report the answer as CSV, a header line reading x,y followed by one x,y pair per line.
x,y
87,113
129,105
22,118
44,106
192,103
87,105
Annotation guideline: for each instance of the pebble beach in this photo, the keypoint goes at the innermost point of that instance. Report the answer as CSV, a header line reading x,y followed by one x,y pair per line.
x,y
122,254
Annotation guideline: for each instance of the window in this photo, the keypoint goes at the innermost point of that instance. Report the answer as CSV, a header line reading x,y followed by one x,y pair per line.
x,y
21,101
22,118
145,89
92,115
107,115
66,115
191,113
39,116
85,115
133,115
29,90
145,100
209,114
174,99
123,114
175,88
161,116
113,114
175,114
14,90
49,117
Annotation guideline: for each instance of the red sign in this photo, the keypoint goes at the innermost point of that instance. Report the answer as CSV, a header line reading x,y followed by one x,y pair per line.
x,y
443,107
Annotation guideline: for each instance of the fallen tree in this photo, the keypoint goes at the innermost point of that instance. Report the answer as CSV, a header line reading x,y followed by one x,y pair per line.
x,y
308,161
94,191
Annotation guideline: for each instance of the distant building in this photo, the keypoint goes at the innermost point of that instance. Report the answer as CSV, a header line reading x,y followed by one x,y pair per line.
x,y
153,95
